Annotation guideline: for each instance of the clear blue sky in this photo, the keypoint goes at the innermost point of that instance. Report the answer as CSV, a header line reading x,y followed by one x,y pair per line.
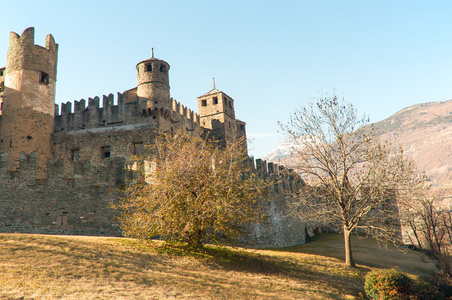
x,y
270,56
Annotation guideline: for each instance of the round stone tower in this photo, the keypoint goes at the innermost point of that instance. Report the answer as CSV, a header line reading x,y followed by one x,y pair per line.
x,y
29,100
153,84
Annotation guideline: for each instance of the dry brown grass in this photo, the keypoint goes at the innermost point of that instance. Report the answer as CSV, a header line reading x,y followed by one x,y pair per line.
x,y
72,267
368,252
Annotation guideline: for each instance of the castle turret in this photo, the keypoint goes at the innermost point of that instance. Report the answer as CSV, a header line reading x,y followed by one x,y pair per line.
x,y
28,99
153,84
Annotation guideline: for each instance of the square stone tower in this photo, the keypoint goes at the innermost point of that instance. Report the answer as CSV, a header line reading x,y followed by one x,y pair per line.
x,y
217,114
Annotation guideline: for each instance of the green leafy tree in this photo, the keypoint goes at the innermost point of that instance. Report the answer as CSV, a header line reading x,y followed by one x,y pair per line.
x,y
352,180
191,191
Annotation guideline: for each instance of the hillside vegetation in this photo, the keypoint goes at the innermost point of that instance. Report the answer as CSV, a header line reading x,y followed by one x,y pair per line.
x,y
74,267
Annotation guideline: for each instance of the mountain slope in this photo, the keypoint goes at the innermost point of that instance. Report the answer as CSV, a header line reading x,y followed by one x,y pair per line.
x,y
424,131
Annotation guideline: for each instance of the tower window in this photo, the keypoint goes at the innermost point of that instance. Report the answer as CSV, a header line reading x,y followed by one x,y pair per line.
x,y
106,151
242,127
162,69
230,104
1,73
44,78
149,68
215,100
75,154
203,102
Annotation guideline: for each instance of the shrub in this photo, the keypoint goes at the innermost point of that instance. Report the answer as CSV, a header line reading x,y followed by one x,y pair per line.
x,y
388,284
436,288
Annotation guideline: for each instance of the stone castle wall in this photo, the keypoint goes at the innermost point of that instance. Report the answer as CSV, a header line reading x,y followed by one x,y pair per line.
x,y
77,196
280,227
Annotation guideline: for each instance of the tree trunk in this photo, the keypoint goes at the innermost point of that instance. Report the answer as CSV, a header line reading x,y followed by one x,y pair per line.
x,y
348,249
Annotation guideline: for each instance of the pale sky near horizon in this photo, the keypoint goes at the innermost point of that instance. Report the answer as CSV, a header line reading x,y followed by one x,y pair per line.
x,y
269,56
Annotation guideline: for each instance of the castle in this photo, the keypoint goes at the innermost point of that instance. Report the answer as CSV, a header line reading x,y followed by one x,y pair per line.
x,y
61,170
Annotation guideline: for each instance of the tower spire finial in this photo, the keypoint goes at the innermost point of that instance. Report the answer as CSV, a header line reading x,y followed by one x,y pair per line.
x,y
152,51
213,82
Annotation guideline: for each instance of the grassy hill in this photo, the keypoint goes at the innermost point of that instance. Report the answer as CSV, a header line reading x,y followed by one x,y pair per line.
x,y
74,267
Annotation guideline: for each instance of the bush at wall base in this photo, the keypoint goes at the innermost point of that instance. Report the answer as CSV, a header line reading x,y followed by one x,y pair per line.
x,y
387,284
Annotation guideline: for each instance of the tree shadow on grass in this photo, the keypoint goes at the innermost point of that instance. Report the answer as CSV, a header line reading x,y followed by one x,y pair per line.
x,y
234,259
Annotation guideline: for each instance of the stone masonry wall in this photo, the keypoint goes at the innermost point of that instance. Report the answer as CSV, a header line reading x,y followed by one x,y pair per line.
x,y
280,226
78,192
77,196
70,201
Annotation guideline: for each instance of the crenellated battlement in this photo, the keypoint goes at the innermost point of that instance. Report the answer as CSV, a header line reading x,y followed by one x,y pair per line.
x,y
284,180
185,111
23,53
77,116
115,111
93,103
28,38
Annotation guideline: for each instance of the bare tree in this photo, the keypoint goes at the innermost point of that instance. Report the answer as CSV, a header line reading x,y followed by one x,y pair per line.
x,y
193,191
352,180
430,229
